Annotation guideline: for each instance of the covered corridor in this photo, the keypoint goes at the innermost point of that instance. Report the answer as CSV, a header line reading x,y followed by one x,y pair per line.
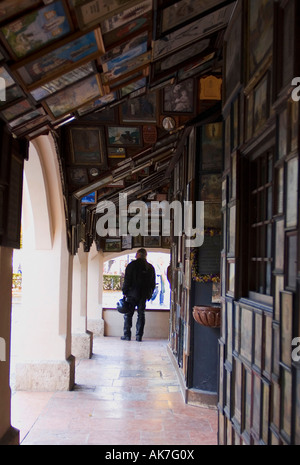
x,y
126,394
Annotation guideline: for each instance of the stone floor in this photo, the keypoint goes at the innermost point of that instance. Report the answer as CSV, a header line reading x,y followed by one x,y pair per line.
x,y
126,394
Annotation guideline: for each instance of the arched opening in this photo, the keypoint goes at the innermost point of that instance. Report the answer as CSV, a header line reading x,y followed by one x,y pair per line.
x,y
157,310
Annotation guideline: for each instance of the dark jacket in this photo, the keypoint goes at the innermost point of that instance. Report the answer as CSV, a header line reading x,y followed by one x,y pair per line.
x,y
139,280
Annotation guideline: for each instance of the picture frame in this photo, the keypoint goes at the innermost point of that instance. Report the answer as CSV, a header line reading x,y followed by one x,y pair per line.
x,y
233,68
152,241
78,176
196,67
191,33
89,199
184,56
71,53
293,125
261,104
212,146
87,145
124,136
133,86
179,98
93,12
98,104
127,242
40,28
29,120
11,8
127,51
113,245
140,110
137,241
13,92
56,85
124,72
260,35
16,110
114,31
73,97
286,327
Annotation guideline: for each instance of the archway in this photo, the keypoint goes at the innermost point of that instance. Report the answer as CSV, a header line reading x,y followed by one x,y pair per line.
x,y
157,311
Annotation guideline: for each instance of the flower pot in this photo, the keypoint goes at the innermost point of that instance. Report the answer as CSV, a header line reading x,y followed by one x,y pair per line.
x,y
207,316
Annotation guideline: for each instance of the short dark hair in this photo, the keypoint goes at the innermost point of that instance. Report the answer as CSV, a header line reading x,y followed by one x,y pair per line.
x,y
142,252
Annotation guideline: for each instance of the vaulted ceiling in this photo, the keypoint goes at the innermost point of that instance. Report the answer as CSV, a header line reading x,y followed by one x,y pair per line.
x,y
117,82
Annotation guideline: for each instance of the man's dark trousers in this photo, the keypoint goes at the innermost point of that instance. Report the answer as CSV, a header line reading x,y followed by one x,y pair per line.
x,y
141,305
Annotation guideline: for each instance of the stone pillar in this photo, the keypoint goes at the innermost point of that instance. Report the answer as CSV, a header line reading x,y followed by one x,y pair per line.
x,y
8,434
95,321
82,339
45,362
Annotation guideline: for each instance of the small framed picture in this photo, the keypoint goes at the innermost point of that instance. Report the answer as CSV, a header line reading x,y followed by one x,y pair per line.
x,y
179,98
87,146
36,29
113,245
124,136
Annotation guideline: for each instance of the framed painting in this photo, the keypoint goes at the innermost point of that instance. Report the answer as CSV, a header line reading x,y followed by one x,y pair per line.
x,y
233,54
114,36
128,68
113,245
152,241
93,12
133,86
261,104
98,104
9,8
87,146
184,11
124,136
29,121
196,66
179,98
126,18
73,97
212,148
128,50
187,54
36,29
73,52
127,242
286,404
63,81
89,199
16,110
140,109
78,176
191,33
12,92
260,33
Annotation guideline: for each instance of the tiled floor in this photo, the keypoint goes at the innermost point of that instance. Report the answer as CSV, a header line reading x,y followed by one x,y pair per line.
x,y
126,394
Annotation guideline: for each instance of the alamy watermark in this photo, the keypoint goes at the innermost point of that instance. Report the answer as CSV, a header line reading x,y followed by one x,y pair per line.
x,y
296,91
137,219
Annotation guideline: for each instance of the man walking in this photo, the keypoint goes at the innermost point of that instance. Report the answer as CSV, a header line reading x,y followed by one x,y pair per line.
x,y
139,284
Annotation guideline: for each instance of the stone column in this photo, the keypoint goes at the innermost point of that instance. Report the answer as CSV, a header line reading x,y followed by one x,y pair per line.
x,y
82,339
8,434
45,362
95,321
